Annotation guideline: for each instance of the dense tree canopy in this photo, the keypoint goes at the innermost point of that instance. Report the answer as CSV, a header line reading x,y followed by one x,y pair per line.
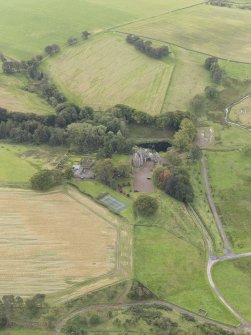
x,y
45,179
147,48
145,205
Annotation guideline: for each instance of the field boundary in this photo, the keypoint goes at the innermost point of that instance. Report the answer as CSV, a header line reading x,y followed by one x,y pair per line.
x,y
185,48
228,110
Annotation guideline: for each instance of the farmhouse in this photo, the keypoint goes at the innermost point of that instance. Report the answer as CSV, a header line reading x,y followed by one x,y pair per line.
x,y
141,156
84,170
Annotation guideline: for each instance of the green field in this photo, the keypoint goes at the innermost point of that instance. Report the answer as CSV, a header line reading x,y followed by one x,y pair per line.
x,y
19,162
200,204
202,28
24,332
236,70
170,259
241,113
233,278
107,71
189,78
25,30
230,174
15,99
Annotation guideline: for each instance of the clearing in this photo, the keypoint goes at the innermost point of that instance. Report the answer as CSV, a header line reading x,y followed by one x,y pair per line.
x,y
233,278
15,99
203,28
49,242
106,71
241,113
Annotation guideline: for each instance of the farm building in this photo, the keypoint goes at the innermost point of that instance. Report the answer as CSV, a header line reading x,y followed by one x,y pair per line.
x,y
84,170
141,156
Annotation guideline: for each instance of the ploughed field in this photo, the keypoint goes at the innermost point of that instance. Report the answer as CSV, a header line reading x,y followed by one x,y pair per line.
x,y
50,242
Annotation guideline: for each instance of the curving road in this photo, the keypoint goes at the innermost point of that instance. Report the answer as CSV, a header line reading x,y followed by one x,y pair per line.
x,y
229,255
212,260
217,219
228,109
152,303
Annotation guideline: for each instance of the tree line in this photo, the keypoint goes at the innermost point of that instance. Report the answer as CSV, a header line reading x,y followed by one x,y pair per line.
x,y
147,48
13,307
82,129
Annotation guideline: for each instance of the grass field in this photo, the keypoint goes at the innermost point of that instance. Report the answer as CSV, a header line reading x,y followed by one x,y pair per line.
x,y
25,30
15,99
189,78
236,70
106,71
202,28
233,278
19,162
200,204
24,332
170,259
230,174
241,113
37,258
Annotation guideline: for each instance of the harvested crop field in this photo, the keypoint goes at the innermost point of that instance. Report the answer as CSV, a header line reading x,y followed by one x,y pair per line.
x,y
106,71
49,242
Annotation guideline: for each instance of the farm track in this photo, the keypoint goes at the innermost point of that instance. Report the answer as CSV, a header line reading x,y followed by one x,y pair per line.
x,y
229,255
184,48
152,303
228,109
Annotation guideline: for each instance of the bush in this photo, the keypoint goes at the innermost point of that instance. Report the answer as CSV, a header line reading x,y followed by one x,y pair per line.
x,y
180,188
45,179
145,205
160,177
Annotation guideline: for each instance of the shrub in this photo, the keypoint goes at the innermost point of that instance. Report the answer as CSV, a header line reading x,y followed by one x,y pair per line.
x,y
45,179
145,205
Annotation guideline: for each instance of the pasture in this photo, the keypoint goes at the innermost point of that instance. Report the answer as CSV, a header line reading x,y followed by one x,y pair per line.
x,y
15,99
233,278
106,71
24,332
203,28
51,242
188,79
25,30
170,259
19,162
230,174
241,113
